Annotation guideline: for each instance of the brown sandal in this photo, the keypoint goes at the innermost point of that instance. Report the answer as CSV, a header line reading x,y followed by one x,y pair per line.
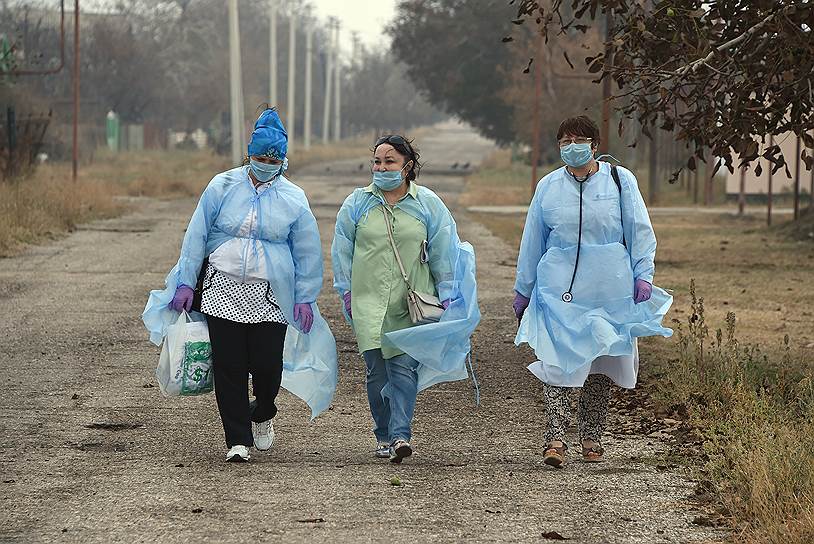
x,y
554,455
594,454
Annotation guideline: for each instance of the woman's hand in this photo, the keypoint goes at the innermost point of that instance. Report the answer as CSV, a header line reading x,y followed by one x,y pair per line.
x,y
182,299
346,299
642,291
519,305
305,315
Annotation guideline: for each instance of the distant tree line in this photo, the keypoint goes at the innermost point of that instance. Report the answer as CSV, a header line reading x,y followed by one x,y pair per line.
x,y
166,63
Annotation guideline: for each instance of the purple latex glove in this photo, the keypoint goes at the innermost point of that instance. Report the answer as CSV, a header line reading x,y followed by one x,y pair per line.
x,y
445,303
305,315
182,299
642,291
346,299
519,305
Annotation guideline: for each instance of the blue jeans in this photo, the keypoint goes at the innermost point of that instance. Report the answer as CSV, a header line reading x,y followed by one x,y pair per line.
x,y
392,386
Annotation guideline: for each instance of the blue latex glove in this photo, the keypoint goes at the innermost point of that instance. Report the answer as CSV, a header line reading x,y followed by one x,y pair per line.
x,y
182,299
346,299
642,291
519,305
305,315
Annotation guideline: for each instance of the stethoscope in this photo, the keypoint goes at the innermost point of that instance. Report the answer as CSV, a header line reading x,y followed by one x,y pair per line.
x,y
568,296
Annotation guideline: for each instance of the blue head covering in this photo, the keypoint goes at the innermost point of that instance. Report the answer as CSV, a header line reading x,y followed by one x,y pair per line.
x,y
269,137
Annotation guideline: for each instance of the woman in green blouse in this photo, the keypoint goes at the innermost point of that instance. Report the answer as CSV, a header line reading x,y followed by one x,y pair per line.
x,y
368,278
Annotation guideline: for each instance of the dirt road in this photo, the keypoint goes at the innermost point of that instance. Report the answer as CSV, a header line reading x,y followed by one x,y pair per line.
x,y
91,452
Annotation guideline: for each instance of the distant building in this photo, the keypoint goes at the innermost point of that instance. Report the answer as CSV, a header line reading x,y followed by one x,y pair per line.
x,y
757,186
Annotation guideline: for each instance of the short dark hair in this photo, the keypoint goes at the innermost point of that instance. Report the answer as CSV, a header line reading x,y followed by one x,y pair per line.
x,y
579,126
405,148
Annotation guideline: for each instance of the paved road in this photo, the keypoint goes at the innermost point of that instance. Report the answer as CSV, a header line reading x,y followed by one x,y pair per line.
x,y
90,451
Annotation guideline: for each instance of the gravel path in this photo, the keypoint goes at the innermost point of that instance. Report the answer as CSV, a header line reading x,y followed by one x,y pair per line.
x,y
91,452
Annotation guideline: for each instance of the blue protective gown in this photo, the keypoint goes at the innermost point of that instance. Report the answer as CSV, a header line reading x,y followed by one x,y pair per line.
x,y
597,331
441,348
290,242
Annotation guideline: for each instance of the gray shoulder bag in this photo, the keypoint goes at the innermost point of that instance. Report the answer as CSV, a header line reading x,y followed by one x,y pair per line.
x,y
423,308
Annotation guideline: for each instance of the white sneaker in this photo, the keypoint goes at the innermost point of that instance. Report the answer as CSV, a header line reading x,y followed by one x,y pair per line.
x,y
383,450
399,450
238,454
263,433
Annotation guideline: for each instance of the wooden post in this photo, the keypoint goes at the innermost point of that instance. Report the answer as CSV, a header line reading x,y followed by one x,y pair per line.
x,y
75,154
797,181
535,118
709,168
769,195
653,185
604,130
742,192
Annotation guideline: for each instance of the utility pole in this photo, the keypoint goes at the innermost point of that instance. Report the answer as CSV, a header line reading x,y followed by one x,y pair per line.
x,y
292,58
75,162
338,85
273,52
309,43
357,48
235,85
326,110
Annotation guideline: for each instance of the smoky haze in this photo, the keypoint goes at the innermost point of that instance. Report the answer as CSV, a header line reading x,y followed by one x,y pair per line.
x,y
164,66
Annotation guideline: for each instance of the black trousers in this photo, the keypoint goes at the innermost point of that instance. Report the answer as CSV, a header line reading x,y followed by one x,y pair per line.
x,y
237,349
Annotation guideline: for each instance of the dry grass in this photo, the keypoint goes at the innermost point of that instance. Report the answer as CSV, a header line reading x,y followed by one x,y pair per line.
x,y
43,207
47,203
498,182
756,412
750,394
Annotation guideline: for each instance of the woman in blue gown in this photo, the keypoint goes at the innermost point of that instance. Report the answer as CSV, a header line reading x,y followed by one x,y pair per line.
x,y
252,248
584,290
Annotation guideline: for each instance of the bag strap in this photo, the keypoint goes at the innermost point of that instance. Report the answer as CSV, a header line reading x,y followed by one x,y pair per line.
x,y
615,176
395,249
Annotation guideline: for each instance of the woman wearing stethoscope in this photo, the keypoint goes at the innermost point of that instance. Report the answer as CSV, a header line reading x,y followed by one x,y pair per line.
x,y
584,290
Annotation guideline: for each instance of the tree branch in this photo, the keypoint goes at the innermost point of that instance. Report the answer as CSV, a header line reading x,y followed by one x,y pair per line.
x,y
734,41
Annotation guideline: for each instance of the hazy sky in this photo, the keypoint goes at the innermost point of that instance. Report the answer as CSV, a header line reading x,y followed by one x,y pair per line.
x,y
368,17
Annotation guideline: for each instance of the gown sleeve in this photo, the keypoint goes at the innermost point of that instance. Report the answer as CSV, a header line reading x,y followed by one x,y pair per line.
x,y
342,246
306,249
532,245
442,248
193,248
639,234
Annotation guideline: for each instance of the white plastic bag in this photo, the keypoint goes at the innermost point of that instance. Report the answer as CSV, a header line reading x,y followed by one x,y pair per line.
x,y
185,365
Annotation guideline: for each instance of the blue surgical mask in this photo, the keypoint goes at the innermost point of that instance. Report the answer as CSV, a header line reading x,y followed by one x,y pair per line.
x,y
265,172
387,180
576,155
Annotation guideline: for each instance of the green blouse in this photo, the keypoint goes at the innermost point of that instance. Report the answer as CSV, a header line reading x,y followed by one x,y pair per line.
x,y
379,294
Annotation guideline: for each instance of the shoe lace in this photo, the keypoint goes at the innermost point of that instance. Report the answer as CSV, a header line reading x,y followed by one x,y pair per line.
x,y
264,428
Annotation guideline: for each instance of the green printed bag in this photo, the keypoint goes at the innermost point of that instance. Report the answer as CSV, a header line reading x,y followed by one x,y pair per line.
x,y
185,365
